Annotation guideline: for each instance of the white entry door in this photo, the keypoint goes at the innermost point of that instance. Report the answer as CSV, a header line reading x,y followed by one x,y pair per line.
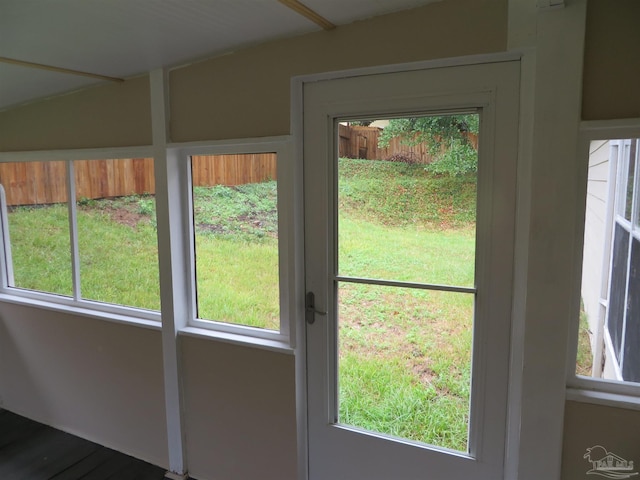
x,y
408,265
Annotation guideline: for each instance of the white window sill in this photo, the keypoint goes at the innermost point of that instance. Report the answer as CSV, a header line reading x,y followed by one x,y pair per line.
x,y
279,346
235,339
608,399
84,312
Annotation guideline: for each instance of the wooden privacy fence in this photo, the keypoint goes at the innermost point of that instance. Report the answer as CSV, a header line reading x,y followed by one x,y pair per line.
x,y
39,183
362,142
207,170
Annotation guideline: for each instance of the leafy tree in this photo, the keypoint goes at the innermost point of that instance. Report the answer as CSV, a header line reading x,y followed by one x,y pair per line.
x,y
446,137
361,123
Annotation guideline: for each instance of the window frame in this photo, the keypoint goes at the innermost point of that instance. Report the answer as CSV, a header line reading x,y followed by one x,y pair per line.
x,y
282,147
74,303
289,245
624,179
581,388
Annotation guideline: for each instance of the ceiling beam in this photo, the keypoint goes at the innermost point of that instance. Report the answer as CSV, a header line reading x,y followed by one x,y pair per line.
x,y
51,68
305,11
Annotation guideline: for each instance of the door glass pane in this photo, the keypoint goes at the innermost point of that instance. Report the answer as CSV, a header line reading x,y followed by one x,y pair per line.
x,y
406,212
407,201
236,239
405,362
38,221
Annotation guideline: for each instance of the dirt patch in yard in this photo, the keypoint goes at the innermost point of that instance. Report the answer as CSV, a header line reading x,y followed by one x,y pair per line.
x,y
126,217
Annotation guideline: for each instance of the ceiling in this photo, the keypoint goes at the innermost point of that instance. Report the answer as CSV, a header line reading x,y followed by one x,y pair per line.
x,y
125,38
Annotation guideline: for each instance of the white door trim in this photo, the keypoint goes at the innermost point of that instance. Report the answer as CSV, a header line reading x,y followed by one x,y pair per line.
x,y
465,94
296,130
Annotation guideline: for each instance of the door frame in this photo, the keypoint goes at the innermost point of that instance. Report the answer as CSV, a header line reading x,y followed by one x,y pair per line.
x,y
296,128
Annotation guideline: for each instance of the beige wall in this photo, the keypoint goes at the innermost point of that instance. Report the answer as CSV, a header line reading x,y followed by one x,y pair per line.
x,y
100,380
246,94
611,60
616,429
111,115
240,413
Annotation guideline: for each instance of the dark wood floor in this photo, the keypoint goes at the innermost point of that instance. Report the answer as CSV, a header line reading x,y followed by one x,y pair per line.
x,y
32,451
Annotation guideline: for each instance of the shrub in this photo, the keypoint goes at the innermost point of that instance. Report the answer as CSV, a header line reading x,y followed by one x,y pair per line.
x,y
459,159
410,158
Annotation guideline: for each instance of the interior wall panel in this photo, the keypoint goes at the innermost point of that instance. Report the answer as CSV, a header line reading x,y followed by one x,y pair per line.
x,y
616,430
109,115
99,380
246,94
611,60
240,413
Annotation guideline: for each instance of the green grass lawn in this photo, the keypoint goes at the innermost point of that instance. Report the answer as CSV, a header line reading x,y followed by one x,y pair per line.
x,y
404,353
118,252
237,281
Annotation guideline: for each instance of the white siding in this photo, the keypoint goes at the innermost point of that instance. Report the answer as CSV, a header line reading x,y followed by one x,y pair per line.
x,y
594,231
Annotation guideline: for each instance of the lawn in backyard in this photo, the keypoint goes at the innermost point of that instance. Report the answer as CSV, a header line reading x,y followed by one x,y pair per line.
x,y
404,354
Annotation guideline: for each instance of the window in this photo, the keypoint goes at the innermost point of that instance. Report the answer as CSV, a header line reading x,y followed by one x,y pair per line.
x,y
238,239
81,232
609,332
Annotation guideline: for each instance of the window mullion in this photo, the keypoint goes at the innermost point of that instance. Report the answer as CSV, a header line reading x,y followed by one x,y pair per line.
x,y
7,267
635,203
73,230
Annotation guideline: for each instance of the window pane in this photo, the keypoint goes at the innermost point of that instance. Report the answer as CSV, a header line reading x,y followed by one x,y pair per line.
x,y
405,362
117,238
610,316
628,198
631,361
407,204
637,183
236,239
618,288
406,209
38,221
